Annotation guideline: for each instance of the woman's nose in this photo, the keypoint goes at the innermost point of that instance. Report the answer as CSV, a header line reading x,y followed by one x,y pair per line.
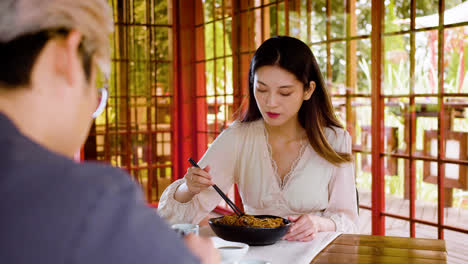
x,y
271,100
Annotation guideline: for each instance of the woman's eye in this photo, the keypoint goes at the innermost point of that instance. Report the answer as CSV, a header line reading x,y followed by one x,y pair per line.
x,y
286,94
261,91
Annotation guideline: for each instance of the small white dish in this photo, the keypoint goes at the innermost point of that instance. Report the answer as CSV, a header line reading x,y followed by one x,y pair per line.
x,y
231,252
184,229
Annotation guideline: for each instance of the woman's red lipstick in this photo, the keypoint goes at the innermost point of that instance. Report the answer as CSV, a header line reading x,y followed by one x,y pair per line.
x,y
272,115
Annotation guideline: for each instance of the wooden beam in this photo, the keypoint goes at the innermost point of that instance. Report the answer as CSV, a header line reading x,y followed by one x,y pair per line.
x,y
441,124
377,102
185,110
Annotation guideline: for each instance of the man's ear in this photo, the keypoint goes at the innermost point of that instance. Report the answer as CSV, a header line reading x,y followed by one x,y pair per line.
x,y
68,58
308,93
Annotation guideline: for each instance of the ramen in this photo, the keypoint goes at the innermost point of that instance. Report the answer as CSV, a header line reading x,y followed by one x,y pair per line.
x,y
250,220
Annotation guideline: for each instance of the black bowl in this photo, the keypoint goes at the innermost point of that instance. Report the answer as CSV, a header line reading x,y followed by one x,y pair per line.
x,y
254,236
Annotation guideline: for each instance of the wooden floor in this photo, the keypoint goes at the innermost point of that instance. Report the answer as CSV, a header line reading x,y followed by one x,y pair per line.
x,y
457,243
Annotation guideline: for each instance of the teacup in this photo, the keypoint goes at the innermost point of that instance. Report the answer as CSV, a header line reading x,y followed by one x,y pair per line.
x,y
231,252
184,229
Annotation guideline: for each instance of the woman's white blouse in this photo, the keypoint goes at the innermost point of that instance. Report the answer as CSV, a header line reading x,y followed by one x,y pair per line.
x,y
241,155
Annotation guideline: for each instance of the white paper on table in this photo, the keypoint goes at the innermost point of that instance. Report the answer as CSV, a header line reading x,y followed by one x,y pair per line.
x,y
285,252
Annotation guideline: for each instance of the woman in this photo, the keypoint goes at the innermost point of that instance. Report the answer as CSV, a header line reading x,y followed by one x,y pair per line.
x,y
289,155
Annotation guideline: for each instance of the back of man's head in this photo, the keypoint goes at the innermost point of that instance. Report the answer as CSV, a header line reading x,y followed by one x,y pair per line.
x,y
48,53
21,19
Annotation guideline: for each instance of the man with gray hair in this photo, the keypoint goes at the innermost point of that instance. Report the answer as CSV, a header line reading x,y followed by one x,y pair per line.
x,y
54,210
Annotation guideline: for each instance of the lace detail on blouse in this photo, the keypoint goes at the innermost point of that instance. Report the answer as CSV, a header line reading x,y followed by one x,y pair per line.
x,y
292,169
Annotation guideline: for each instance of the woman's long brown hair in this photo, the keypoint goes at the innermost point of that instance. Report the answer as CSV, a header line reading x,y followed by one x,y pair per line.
x,y
316,113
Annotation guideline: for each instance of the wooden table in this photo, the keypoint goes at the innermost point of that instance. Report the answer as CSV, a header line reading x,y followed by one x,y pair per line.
x,y
352,249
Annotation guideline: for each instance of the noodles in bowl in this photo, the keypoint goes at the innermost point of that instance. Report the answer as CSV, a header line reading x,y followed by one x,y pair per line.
x,y
250,220
255,230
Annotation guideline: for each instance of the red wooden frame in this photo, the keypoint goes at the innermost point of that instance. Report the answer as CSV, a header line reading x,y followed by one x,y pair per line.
x,y
185,111
378,125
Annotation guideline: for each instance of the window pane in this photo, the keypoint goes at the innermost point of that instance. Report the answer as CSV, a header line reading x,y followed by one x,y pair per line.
x,y
209,41
209,78
396,227
271,13
228,8
396,68
228,72
362,140
211,118
396,187
363,60
320,53
456,57
208,10
397,15
228,36
164,178
426,123
163,147
365,217
427,13
363,163
427,231
219,38
338,19
281,19
138,45
138,113
164,84
318,21
426,62
219,9
295,16
220,76
455,11
138,83
426,191
363,14
162,14
339,105
139,11
162,40
396,173
455,242
256,3
361,109
396,121
338,66
163,112
141,176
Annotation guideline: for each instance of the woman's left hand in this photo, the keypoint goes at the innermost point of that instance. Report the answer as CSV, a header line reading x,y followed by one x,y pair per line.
x,y
304,228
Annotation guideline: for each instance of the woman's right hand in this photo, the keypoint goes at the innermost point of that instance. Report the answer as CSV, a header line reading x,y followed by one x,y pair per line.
x,y
198,179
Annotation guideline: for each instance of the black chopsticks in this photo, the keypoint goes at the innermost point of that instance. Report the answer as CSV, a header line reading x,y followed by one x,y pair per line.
x,y
228,201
